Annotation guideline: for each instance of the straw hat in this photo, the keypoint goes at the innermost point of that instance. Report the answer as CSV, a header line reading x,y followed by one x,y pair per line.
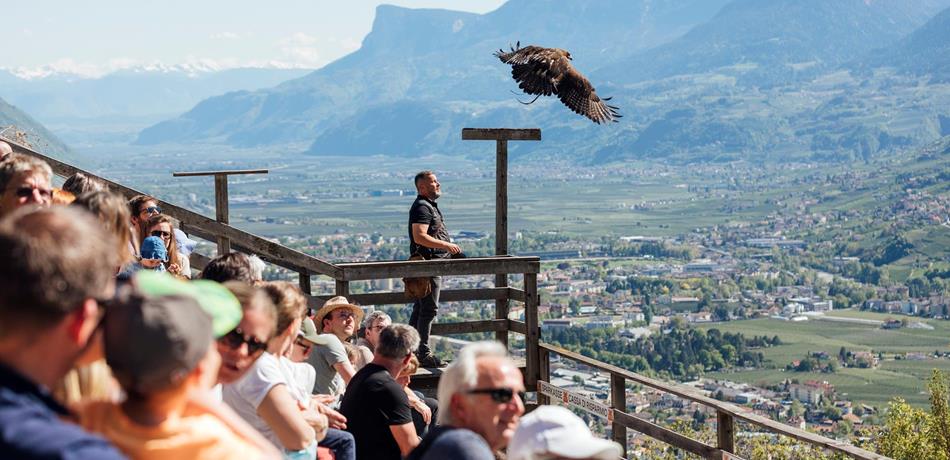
x,y
336,303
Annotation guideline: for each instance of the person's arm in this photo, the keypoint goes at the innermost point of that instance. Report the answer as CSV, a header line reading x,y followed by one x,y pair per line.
x,y
422,238
201,402
405,436
346,370
282,414
336,419
419,405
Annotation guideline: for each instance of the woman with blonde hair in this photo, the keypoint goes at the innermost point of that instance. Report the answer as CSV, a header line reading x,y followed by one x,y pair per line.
x,y
162,226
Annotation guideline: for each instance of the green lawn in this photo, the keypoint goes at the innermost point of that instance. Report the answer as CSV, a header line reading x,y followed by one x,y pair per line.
x,y
903,378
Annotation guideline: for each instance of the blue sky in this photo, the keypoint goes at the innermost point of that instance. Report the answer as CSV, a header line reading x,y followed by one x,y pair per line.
x,y
98,36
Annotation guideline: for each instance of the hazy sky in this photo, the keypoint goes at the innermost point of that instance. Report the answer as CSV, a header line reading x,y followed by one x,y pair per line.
x,y
96,36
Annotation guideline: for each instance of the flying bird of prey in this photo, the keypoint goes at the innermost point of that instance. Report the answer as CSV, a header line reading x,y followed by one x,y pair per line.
x,y
547,71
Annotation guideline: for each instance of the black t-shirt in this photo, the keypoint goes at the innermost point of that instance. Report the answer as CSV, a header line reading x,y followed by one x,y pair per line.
x,y
425,211
372,403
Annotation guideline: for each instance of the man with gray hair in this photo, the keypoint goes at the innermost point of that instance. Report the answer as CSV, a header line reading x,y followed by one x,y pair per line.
x,y
480,403
376,408
24,180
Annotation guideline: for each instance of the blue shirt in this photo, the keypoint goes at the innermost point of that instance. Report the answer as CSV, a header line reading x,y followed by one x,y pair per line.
x,y
30,425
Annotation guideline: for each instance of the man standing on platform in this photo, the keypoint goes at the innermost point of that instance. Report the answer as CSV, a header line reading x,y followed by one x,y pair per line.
x,y
429,238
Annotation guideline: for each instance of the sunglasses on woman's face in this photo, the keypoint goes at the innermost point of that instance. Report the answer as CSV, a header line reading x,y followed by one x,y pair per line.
x,y
236,337
161,233
151,210
499,395
303,344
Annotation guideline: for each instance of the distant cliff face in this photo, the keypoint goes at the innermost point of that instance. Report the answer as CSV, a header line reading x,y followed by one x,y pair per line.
x,y
703,76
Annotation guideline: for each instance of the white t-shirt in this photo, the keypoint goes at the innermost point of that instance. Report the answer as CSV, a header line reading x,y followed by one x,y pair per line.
x,y
302,377
247,393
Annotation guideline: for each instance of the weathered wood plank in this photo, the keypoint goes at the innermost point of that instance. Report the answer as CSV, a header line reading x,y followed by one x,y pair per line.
x,y
485,325
198,261
450,295
517,326
439,267
516,294
303,279
544,368
533,335
225,172
221,211
726,431
664,434
618,400
493,134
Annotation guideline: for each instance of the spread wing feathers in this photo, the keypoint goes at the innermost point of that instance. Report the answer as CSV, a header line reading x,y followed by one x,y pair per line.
x,y
577,94
548,71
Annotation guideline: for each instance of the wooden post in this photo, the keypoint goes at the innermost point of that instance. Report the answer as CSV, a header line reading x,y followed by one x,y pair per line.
x,y
304,280
221,198
545,371
618,401
501,138
532,355
343,288
726,431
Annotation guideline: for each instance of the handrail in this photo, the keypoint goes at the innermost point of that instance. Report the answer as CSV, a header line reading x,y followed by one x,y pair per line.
x,y
725,411
203,226
497,265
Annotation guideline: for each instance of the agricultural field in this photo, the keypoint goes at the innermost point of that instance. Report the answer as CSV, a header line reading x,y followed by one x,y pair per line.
x,y
894,377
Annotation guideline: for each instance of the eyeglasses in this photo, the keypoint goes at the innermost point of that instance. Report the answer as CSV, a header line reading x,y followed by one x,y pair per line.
x,y
378,327
236,337
343,314
161,233
151,210
499,395
27,192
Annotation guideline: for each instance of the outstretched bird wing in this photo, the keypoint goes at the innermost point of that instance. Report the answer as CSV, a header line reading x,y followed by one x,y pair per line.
x,y
547,71
576,92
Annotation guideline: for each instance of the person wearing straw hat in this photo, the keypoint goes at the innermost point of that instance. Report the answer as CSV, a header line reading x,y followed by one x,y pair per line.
x,y
337,319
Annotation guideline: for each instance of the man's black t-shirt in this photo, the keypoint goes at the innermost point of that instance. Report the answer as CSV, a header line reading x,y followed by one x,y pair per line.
x,y
425,211
372,403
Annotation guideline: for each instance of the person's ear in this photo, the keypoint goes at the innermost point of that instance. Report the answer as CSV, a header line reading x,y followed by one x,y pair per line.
x,y
406,359
82,322
457,408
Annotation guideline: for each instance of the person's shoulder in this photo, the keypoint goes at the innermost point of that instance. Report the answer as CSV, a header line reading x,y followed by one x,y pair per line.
x,y
458,444
36,434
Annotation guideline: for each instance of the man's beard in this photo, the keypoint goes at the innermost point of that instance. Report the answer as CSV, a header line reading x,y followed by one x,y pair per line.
x,y
435,195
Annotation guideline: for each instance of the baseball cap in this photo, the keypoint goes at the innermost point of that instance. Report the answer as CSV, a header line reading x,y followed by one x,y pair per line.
x,y
154,248
554,430
152,343
308,331
215,299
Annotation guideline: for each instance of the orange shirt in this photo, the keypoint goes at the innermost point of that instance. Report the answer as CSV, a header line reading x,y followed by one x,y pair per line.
x,y
201,436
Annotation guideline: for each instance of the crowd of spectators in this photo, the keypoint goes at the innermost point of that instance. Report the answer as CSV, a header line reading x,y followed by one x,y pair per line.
x,y
112,347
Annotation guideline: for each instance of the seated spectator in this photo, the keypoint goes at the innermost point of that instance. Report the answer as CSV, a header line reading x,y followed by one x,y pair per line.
x,y
243,345
375,406
24,180
59,262
160,226
288,296
79,183
372,325
159,349
336,319
424,410
229,267
553,432
5,150
153,254
113,213
267,398
141,208
480,404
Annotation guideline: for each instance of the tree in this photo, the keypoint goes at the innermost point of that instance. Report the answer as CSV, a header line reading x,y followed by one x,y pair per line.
x,y
914,434
648,314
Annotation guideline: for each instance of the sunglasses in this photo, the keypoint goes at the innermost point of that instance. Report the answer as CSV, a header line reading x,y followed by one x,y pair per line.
x,y
236,337
499,395
27,192
161,234
303,344
340,314
151,210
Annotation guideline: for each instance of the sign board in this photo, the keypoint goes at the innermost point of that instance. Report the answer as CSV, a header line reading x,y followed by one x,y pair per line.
x,y
575,400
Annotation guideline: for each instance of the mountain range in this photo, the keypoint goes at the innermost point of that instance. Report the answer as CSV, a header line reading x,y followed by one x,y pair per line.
x,y
17,125
697,80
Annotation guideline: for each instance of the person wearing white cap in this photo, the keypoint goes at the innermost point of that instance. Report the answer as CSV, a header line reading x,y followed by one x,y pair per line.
x,y
555,433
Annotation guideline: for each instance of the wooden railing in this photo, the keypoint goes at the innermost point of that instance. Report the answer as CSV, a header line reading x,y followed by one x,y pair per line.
x,y
537,354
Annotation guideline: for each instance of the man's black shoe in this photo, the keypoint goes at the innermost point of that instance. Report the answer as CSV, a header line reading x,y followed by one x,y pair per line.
x,y
431,361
